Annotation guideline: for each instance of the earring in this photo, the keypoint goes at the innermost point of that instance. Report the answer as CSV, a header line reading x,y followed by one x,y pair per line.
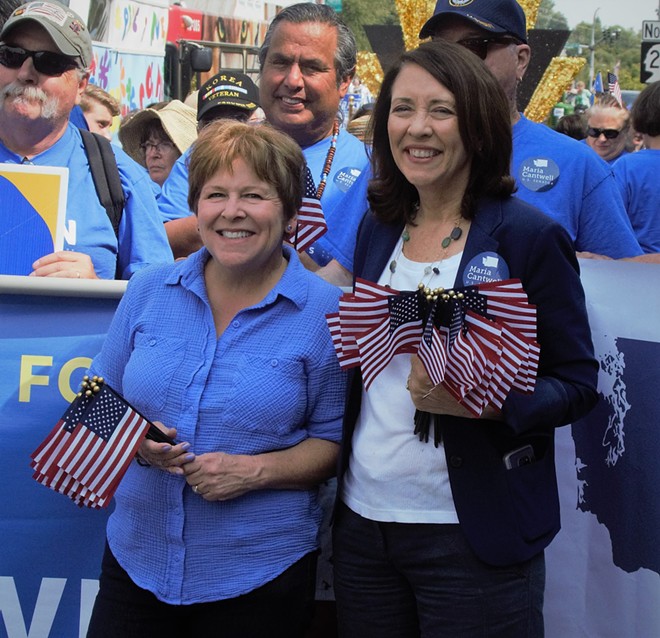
x,y
289,228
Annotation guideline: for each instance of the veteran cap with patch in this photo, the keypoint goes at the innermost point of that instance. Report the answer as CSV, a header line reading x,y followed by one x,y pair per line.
x,y
227,89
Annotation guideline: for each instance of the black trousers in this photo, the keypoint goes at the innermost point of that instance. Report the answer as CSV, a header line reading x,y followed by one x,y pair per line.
x,y
281,608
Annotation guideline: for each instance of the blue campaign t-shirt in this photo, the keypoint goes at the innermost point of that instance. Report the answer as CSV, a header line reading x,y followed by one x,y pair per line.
x,y
344,200
571,184
142,238
637,175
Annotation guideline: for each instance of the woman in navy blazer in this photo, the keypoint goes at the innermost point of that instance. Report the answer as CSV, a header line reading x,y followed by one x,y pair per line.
x,y
449,541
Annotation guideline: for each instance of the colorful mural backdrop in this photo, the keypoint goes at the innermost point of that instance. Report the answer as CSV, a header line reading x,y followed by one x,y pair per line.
x,y
136,80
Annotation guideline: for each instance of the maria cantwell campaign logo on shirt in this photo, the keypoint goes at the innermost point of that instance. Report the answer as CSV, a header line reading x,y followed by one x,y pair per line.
x,y
538,173
345,177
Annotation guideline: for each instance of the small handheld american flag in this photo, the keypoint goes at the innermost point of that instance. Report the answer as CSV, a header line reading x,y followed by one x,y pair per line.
x,y
479,342
90,448
311,221
615,89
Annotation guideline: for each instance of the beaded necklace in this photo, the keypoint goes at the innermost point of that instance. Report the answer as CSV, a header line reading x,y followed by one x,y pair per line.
x,y
328,160
432,269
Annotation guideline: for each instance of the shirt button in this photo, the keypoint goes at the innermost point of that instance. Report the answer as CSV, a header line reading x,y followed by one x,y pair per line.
x,y
456,461
274,363
152,342
236,324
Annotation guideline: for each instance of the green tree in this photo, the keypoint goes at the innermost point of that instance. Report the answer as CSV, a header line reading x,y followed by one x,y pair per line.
x,y
548,18
614,44
356,13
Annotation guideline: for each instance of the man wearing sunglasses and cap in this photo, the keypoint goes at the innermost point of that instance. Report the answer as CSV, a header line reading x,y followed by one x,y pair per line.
x,y
553,172
45,53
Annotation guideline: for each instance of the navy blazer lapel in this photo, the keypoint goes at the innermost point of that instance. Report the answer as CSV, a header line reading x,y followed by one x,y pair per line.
x,y
480,239
383,238
382,242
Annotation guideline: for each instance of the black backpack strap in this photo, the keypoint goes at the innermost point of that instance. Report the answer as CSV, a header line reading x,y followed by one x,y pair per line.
x,y
105,173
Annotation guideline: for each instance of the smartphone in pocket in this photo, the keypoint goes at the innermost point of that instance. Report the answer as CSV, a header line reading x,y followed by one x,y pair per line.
x,y
520,456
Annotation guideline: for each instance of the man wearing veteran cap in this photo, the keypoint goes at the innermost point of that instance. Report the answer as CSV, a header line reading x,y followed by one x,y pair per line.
x,y
226,95
553,172
45,53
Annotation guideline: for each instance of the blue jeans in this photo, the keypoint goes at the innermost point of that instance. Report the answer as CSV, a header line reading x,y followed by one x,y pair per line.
x,y
403,580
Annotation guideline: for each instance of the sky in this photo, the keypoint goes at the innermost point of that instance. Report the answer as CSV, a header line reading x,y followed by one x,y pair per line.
x,y
626,13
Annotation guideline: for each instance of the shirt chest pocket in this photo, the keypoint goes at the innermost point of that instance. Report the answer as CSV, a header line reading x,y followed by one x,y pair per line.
x,y
152,367
267,394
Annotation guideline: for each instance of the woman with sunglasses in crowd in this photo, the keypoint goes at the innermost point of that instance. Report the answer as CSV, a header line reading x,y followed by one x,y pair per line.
x,y
608,124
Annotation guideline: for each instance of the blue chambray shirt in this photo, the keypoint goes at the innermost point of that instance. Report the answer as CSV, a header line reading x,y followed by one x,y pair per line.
x,y
270,381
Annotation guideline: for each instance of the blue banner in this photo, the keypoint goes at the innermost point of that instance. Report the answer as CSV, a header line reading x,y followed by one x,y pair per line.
x,y
50,550
603,569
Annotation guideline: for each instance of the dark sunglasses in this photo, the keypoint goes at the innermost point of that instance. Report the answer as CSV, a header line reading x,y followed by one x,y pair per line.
x,y
45,62
479,46
609,133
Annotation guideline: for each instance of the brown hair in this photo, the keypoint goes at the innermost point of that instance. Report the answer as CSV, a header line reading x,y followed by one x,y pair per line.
x,y
94,93
484,124
646,111
273,156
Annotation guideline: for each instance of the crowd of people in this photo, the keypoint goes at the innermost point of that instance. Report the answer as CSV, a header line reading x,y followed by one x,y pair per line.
x,y
220,527
616,134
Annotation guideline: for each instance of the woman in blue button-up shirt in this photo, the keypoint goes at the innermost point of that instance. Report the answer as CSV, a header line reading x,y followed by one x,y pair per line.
x,y
228,349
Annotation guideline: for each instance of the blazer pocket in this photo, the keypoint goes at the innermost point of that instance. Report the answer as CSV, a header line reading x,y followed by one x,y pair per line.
x,y
533,490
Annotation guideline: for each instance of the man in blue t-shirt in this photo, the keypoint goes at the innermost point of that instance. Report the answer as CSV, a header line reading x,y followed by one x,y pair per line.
x,y
300,90
45,55
307,61
555,173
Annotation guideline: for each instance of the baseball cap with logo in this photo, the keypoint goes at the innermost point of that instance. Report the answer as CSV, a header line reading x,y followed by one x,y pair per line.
x,y
227,89
505,17
63,25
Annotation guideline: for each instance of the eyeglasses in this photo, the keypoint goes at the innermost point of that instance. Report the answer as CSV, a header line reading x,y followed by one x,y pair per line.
x,y
45,62
156,147
609,133
479,46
